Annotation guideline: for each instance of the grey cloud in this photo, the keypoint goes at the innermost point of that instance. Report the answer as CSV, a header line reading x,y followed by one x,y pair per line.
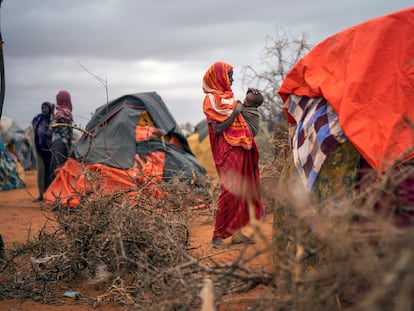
x,y
146,45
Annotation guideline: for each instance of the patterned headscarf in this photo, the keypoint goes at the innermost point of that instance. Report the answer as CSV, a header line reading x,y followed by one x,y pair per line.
x,y
220,102
63,106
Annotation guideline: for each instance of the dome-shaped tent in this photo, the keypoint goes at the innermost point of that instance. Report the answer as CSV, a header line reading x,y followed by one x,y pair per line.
x,y
132,140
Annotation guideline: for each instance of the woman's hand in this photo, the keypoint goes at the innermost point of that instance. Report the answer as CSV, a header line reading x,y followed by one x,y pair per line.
x,y
221,127
239,106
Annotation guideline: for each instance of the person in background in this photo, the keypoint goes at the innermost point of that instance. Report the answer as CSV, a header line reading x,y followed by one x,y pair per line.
x,y
62,132
235,154
43,143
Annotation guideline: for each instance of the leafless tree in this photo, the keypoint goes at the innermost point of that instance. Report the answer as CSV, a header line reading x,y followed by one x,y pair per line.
x,y
281,52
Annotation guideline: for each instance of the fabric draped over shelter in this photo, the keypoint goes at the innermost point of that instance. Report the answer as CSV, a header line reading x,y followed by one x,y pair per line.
x,y
317,134
199,142
9,170
134,141
366,73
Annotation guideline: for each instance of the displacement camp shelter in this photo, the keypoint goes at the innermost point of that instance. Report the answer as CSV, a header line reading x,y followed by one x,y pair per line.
x,y
350,100
133,140
14,137
9,172
357,87
366,73
199,142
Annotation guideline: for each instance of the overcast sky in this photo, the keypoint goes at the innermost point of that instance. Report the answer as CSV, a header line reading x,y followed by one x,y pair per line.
x,y
150,45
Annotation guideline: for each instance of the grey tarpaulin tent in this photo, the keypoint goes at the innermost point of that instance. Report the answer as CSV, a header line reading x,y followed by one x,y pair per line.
x,y
135,133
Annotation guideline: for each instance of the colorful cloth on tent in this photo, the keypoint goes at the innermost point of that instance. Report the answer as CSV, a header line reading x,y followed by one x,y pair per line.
x,y
111,126
149,102
74,181
199,142
176,163
317,134
366,73
157,158
396,200
71,181
9,176
235,155
336,180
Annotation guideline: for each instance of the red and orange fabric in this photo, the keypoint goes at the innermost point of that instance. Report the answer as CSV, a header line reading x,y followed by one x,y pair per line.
x,y
366,73
220,102
235,155
74,179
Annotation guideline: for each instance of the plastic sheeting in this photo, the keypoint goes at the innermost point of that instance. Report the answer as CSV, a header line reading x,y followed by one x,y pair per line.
x,y
366,73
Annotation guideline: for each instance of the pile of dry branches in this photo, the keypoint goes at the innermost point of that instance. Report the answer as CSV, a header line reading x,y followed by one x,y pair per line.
x,y
356,256
137,255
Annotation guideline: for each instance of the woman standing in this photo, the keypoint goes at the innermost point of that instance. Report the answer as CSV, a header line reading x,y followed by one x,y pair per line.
x,y
43,143
235,155
61,133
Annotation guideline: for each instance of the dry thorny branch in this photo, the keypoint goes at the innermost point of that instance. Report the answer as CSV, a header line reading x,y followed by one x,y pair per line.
x,y
356,256
137,254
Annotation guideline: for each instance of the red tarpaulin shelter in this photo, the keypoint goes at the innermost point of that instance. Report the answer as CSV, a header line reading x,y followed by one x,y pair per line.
x,y
366,73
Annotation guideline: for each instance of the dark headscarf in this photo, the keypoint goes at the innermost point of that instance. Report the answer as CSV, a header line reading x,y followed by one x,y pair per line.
x,y
49,105
42,132
63,106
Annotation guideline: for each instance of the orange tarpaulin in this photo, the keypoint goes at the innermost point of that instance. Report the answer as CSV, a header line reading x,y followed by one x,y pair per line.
x,y
366,73
74,180
127,154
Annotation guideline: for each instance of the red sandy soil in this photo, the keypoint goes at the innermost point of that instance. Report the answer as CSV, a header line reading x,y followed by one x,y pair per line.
x,y
22,219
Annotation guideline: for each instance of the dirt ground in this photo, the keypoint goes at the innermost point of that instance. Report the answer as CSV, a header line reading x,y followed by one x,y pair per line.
x,y
22,219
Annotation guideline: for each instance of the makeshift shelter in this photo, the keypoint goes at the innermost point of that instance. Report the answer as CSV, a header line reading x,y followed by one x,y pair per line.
x,y
366,74
199,143
12,134
350,100
133,140
9,172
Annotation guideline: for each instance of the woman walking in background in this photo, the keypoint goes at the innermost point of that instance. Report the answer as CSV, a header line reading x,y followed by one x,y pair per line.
x,y
43,143
61,134
235,155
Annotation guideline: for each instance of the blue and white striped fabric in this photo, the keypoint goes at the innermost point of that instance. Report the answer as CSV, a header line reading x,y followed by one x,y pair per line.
x,y
318,132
